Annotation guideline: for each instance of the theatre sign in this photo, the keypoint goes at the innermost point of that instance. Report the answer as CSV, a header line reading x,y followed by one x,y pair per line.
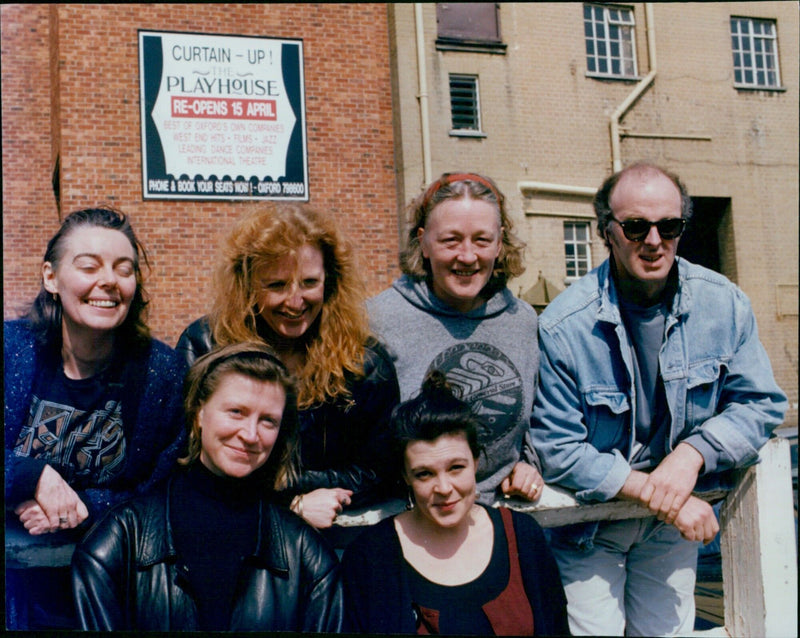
x,y
223,117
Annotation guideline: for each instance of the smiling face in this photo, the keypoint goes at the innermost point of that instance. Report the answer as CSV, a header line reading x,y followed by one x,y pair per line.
x,y
441,474
239,425
95,279
461,240
292,292
645,264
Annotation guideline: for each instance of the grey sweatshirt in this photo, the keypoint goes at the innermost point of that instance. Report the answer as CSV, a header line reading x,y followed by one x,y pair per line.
x,y
491,353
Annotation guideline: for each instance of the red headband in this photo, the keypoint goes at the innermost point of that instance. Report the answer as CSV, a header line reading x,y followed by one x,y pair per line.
x,y
458,177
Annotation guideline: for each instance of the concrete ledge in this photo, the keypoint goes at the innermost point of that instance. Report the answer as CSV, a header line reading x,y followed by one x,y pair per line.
x,y
46,550
758,541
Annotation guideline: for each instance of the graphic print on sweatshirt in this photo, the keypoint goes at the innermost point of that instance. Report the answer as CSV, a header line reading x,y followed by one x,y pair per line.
x,y
486,379
82,445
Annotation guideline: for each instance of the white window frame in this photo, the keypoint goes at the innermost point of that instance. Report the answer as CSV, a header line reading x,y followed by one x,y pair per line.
x,y
754,43
576,261
621,20
466,132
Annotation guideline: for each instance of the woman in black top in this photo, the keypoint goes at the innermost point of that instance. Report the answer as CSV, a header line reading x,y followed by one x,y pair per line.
x,y
449,565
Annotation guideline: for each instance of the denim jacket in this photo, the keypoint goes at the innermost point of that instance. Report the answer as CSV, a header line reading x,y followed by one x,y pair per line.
x,y
720,389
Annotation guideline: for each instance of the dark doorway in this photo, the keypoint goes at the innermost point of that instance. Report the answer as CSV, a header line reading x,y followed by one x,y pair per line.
x,y
700,243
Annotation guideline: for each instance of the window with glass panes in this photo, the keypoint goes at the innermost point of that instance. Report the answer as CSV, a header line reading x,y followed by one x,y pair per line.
x,y
610,40
464,103
755,53
577,248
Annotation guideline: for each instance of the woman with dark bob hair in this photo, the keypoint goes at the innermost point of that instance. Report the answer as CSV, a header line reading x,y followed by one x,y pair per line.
x,y
449,565
209,551
288,278
93,409
451,310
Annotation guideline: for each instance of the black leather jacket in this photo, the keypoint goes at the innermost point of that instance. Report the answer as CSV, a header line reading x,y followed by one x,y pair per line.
x,y
126,575
343,443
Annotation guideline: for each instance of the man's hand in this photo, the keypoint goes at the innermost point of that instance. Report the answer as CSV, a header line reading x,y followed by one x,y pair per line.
x,y
524,481
632,488
694,518
696,521
321,506
668,487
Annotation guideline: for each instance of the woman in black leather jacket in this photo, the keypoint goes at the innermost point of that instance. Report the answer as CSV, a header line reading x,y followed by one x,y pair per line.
x,y
209,551
288,278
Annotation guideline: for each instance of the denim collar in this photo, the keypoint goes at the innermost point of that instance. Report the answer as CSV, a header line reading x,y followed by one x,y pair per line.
x,y
677,294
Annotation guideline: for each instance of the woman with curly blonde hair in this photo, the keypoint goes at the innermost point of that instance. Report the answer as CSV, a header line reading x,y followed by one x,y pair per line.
x,y
288,278
452,310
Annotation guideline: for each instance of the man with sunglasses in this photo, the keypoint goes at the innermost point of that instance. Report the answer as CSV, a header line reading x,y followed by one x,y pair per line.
x,y
653,384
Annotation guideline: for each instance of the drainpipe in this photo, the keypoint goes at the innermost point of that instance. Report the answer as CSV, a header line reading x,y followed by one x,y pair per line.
x,y
423,95
562,189
616,116
646,81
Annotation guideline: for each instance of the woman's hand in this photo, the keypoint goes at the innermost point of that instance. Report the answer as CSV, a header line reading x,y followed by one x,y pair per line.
x,y
33,518
55,505
321,506
524,481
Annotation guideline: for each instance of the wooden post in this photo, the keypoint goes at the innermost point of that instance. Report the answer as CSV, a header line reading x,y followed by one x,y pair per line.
x,y
759,549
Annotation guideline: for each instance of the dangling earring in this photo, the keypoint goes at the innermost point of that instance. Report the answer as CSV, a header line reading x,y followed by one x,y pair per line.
x,y
409,498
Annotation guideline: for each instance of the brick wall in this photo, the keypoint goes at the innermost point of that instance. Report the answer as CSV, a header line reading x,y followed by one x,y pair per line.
x,y
29,213
84,106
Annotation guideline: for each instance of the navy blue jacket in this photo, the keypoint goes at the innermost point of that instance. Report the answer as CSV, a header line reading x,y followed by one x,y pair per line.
x,y
152,414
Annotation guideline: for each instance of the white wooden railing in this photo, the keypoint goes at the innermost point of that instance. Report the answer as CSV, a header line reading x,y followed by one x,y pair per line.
x,y
759,546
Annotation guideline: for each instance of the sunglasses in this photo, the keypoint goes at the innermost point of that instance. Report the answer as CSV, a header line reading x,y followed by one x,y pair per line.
x,y
638,229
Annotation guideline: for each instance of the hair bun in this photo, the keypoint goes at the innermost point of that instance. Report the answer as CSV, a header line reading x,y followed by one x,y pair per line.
x,y
436,381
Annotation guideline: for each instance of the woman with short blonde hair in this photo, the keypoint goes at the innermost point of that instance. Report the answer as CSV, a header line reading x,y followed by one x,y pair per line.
x,y
210,550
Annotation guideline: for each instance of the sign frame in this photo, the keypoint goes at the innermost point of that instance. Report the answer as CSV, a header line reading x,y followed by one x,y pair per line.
x,y
222,116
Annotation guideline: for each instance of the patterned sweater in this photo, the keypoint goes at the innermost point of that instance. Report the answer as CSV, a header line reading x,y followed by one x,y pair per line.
x,y
152,415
